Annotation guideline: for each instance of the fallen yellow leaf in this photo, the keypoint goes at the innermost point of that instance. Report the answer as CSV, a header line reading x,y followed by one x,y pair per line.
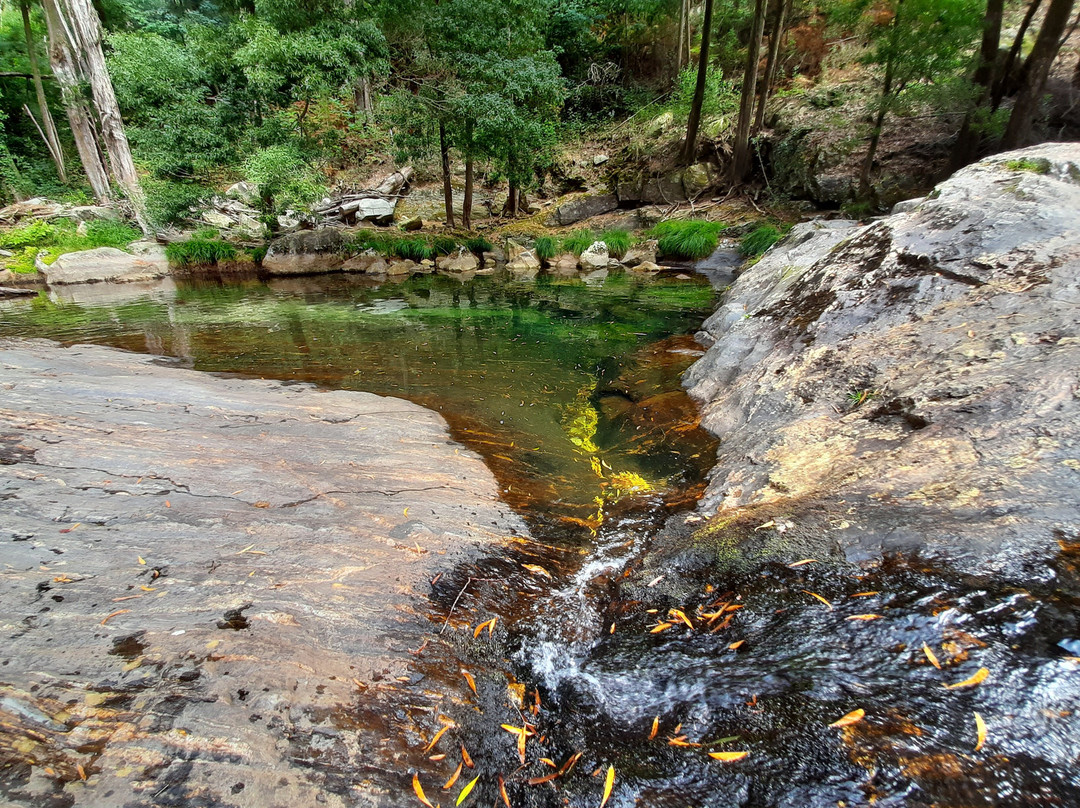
x,y
488,624
655,728
816,595
803,563
469,678
141,560
735,645
454,777
980,675
438,735
659,627
864,617
536,568
609,782
930,655
465,791
465,758
980,732
502,792
728,757
854,717
679,614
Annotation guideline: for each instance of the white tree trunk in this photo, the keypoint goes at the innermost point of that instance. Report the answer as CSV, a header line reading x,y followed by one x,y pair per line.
x,y
52,140
85,30
65,67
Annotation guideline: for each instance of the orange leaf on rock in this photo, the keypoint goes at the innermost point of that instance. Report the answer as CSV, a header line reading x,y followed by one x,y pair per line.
x,y
864,617
854,717
469,678
980,676
736,645
454,777
502,792
420,791
803,563
660,627
816,595
930,655
465,758
655,728
980,732
466,791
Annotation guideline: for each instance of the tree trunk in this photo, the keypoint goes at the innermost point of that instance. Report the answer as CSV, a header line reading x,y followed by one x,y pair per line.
x,y
52,139
466,210
86,30
967,141
512,201
62,58
448,191
690,147
682,37
740,161
779,21
1001,85
883,107
1018,132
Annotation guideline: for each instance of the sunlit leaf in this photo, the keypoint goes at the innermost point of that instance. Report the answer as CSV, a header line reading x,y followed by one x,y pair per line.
x,y
453,777
679,614
864,617
537,569
469,678
82,772
930,655
816,595
659,627
864,594
803,563
547,778
405,512
609,782
854,717
655,728
570,763
980,732
437,758
465,757
488,624
438,735
548,762
141,560
980,675
420,791
465,791
502,792
728,757
114,614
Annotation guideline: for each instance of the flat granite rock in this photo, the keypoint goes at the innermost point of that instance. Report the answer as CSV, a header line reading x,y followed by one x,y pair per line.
x,y
206,579
912,383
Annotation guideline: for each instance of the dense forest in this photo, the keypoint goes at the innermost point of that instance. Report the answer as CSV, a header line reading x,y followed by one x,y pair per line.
x,y
306,98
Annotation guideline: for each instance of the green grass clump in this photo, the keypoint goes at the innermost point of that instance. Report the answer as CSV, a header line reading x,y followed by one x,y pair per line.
x,y
1038,166
38,232
578,241
478,245
617,241
691,239
51,240
758,240
413,249
546,248
444,245
199,252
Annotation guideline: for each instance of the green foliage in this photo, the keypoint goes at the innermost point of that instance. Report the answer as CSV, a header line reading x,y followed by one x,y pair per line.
x,y
168,201
617,241
690,239
284,178
443,245
48,241
37,232
758,240
413,249
1037,166
198,251
578,241
545,247
478,245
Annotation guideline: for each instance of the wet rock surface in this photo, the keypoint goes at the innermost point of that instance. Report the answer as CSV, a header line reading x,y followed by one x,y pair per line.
x,y
209,583
917,376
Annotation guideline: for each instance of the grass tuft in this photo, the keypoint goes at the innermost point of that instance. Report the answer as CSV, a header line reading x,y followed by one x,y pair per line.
x,y
444,245
617,241
578,241
690,239
413,249
478,245
546,248
758,240
199,252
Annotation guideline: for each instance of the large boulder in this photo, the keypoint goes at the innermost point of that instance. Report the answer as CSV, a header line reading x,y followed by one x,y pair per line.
x,y
103,264
913,379
464,261
595,257
584,207
306,252
640,253
371,209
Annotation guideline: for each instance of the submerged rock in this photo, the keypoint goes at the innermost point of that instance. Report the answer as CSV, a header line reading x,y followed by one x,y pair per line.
x,y
913,380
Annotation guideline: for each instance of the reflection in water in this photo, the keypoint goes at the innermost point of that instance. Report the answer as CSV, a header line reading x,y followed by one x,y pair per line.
x,y
566,389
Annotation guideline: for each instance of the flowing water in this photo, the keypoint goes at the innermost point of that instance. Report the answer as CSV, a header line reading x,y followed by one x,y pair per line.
x,y
602,656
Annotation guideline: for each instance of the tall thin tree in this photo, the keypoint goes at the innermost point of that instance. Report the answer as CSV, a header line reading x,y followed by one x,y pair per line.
x,y
690,147
52,139
780,13
740,160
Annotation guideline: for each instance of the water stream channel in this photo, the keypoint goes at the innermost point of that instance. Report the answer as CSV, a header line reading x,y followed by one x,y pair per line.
x,y
620,642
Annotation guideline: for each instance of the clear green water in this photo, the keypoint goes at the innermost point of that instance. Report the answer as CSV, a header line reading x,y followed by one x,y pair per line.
x,y
562,386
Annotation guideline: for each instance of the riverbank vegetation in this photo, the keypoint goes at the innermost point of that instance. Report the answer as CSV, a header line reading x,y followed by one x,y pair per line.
x,y
513,101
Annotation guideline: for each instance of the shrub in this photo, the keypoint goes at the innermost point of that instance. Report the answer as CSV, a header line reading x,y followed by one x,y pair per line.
x,y
545,247
36,232
578,241
107,233
168,201
199,251
617,241
284,178
758,240
691,239
478,245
